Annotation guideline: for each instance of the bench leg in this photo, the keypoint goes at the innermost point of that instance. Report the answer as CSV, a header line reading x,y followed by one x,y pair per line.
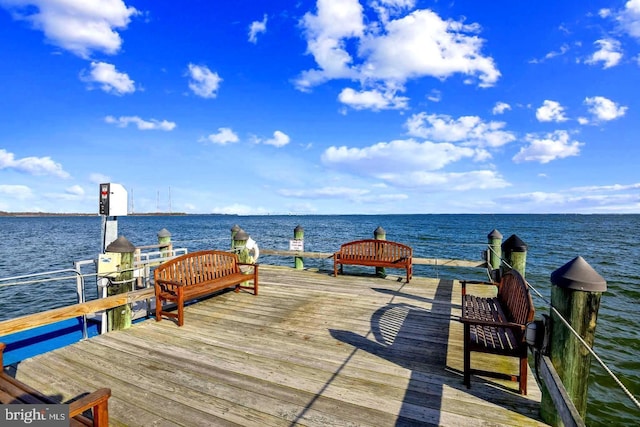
x,y
158,308
524,364
101,415
467,356
255,281
180,306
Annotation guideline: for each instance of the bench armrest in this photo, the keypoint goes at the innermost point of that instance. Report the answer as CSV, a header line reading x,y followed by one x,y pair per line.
x,y
476,282
464,284
169,282
96,398
251,264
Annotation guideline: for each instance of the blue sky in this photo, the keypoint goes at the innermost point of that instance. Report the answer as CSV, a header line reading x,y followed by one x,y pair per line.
x,y
321,107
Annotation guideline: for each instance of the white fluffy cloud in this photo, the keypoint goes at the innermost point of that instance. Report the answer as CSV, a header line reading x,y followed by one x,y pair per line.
x,y
75,190
327,31
455,181
204,82
629,18
373,100
412,164
223,137
607,198
99,178
389,52
79,26
256,28
32,165
279,139
110,80
153,124
388,8
604,109
395,156
551,111
500,108
545,148
423,44
15,191
609,54
469,130
325,193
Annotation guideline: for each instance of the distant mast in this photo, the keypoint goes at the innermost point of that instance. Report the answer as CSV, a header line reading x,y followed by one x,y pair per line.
x,y
169,199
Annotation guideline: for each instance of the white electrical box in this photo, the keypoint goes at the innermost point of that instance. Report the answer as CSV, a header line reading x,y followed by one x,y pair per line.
x,y
113,200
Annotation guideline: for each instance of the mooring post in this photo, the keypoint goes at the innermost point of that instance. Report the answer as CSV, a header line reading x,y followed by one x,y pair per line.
x,y
239,246
164,242
298,235
119,318
234,230
494,257
380,234
575,295
514,251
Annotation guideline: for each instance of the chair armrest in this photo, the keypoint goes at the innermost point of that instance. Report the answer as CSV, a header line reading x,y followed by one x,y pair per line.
x,y
98,397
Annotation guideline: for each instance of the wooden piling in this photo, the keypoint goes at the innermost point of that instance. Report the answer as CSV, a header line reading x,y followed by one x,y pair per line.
x,y
119,318
494,257
380,234
575,295
298,234
234,230
239,246
164,242
514,252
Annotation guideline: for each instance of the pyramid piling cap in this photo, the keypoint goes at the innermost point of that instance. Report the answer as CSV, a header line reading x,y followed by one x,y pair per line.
x,y
120,246
164,233
241,235
514,244
578,275
495,234
379,232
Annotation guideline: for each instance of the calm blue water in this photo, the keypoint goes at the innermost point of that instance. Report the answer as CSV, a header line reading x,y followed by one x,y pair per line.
x,y
609,243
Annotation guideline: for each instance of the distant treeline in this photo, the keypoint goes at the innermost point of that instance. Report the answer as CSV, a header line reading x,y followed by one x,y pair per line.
x,y
3,213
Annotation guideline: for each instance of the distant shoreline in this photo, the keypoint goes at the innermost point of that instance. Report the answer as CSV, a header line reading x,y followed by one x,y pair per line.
x,y
44,214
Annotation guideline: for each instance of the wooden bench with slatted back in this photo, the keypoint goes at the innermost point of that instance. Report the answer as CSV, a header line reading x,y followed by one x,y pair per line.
x,y
497,325
198,274
374,253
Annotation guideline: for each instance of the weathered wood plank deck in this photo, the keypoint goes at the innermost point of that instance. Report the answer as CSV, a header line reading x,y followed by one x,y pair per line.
x,y
311,349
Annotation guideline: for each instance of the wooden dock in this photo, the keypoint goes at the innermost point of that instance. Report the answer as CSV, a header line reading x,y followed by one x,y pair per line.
x,y
311,349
